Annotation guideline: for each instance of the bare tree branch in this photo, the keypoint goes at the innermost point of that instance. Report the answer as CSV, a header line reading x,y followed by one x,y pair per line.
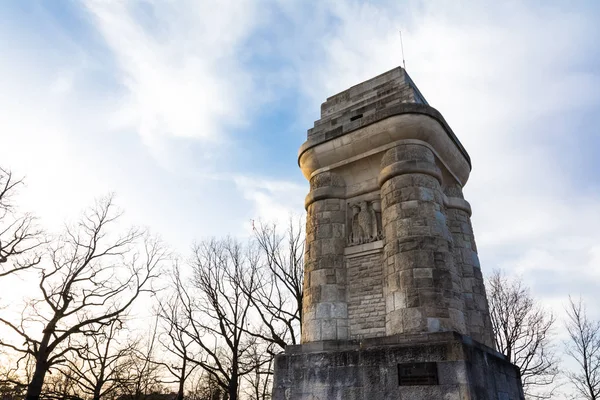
x,y
584,347
143,375
20,238
523,331
175,341
88,280
216,311
276,293
100,364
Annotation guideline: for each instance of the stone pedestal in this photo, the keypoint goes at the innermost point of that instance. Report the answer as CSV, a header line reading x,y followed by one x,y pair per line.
x,y
430,366
394,301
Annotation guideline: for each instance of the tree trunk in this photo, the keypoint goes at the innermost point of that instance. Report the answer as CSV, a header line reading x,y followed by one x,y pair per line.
x,y
233,387
181,381
180,391
97,389
100,381
34,389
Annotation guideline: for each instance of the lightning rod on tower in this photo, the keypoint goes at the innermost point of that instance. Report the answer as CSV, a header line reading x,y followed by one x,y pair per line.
x,y
402,49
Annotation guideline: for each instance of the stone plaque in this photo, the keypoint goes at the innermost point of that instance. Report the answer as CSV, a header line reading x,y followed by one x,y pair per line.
x,y
411,374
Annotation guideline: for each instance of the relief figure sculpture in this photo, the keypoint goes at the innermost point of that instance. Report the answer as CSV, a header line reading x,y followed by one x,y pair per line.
x,y
365,223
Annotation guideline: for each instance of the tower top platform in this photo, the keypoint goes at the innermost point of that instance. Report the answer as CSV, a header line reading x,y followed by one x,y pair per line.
x,y
389,94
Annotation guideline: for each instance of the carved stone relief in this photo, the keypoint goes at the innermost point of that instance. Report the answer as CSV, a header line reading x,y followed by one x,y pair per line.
x,y
364,223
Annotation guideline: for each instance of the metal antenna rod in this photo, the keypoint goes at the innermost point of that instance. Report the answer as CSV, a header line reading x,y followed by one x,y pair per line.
x,y
402,48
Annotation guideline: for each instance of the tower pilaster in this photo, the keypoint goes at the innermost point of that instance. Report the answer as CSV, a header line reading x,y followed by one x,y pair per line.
x,y
423,286
325,311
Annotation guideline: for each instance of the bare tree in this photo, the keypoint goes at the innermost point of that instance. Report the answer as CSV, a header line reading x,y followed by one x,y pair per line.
x,y
8,187
13,377
218,311
584,347
61,387
275,290
523,330
144,374
101,363
89,279
175,341
205,387
19,235
259,382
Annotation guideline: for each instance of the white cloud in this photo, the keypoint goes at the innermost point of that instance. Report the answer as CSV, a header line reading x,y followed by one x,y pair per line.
x,y
178,64
183,82
496,71
36,142
272,200
182,90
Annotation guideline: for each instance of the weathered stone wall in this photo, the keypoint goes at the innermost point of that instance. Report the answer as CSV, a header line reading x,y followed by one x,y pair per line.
x,y
423,288
357,104
325,312
458,210
465,370
366,305
429,270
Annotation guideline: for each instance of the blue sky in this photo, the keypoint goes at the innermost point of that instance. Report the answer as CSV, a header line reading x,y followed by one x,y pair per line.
x,y
193,112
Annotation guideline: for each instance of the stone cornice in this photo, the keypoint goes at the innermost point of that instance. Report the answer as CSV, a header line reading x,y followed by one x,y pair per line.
x,y
364,249
409,167
458,204
328,192
317,137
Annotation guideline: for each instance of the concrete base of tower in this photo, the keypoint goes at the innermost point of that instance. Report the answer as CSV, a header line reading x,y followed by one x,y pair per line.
x,y
443,365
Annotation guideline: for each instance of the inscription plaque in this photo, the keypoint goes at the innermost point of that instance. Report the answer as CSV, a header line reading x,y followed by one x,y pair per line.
x,y
411,374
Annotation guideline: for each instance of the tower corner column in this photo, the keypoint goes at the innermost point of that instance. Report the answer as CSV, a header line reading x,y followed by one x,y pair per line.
x,y
325,310
421,284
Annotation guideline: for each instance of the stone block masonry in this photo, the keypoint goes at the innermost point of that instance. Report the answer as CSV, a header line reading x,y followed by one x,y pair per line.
x,y
477,313
325,315
366,303
458,369
394,300
424,291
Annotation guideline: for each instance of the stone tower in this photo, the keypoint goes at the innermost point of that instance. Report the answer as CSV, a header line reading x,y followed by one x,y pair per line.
x,y
394,300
